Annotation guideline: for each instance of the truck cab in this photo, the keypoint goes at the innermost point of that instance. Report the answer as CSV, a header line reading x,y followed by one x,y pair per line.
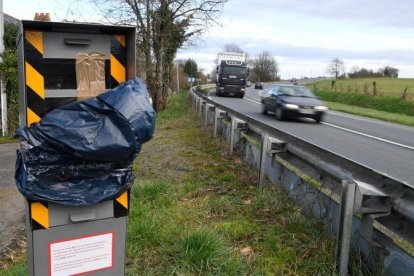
x,y
232,74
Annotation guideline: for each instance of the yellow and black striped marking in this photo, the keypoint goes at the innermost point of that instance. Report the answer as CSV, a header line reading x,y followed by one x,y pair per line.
x,y
34,67
59,74
121,205
39,215
118,60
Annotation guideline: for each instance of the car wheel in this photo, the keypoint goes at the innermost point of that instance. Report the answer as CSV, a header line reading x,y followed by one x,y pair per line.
x,y
318,120
264,109
279,114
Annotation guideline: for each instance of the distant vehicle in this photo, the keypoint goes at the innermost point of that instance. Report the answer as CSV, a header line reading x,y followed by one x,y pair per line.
x,y
232,73
258,85
291,101
248,83
293,80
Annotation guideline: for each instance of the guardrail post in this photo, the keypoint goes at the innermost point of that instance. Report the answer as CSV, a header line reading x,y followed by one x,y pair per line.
x,y
236,124
270,146
195,102
202,102
206,110
345,226
193,99
198,104
362,198
218,114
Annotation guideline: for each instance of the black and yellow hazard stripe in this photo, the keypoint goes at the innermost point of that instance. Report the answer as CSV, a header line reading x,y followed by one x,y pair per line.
x,y
121,205
34,67
118,60
39,215
47,73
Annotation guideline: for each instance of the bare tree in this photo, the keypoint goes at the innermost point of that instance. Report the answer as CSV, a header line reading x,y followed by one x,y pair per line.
x,y
163,26
265,67
232,47
336,67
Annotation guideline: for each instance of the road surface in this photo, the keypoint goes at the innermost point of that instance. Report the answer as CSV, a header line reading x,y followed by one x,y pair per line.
x,y
11,201
379,145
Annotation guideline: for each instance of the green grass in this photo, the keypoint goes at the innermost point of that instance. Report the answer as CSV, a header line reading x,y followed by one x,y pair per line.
x,y
195,210
8,139
372,113
356,96
387,104
391,87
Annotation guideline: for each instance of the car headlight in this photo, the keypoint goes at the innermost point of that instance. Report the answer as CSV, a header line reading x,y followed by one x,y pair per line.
x,y
292,106
321,108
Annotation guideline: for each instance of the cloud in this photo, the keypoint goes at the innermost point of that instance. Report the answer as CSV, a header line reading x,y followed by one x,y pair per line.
x,y
372,12
255,46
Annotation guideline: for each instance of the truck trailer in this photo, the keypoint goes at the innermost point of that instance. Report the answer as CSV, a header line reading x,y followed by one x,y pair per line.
x,y
232,74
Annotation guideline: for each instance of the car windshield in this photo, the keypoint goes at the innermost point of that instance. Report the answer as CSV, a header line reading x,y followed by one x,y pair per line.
x,y
296,91
231,70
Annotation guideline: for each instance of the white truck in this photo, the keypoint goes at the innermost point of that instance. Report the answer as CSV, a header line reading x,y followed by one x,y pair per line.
x,y
232,74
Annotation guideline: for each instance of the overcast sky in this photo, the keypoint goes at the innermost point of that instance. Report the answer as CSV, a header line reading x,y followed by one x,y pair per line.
x,y
302,35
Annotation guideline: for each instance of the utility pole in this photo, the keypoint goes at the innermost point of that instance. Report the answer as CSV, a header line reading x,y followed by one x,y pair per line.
x,y
178,79
3,97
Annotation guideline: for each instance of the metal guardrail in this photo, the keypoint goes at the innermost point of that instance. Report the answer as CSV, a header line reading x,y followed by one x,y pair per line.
x,y
373,195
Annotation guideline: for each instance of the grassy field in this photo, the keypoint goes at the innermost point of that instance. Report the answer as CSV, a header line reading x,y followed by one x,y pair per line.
x,y
197,211
356,96
391,87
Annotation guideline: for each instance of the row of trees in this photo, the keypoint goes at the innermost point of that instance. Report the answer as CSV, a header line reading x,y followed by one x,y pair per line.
x,y
336,67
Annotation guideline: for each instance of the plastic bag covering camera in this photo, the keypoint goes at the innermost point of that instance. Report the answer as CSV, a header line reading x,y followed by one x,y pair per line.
x,y
82,153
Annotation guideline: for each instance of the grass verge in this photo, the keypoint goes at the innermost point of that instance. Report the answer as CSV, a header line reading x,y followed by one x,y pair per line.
x,y
195,210
381,103
7,139
372,113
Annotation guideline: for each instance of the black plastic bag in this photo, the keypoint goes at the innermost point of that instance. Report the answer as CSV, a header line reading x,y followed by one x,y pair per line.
x,y
82,153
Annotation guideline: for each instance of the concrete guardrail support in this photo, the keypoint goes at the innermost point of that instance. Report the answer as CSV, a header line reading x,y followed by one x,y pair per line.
x,y
236,124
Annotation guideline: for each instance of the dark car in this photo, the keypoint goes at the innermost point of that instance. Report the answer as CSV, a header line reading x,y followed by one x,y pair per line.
x,y
258,85
291,101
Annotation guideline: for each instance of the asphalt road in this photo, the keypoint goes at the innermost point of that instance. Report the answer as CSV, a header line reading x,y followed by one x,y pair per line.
x,y
382,146
11,201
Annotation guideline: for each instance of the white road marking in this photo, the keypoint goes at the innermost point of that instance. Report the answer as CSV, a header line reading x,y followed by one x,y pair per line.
x,y
355,132
250,100
369,136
